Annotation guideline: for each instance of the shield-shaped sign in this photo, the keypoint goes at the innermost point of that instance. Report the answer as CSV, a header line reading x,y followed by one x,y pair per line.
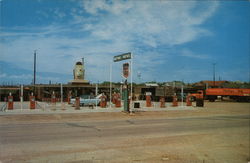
x,y
125,70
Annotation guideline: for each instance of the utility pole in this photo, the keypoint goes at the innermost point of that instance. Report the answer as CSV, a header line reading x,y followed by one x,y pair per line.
x,y
34,80
83,66
214,73
131,69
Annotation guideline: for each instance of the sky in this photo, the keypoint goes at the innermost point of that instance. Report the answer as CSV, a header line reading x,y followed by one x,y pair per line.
x,y
169,40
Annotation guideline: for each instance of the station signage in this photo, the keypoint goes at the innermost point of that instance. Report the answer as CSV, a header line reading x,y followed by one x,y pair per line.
x,y
122,57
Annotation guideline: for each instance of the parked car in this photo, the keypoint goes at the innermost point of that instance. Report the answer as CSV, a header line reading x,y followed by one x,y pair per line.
x,y
86,100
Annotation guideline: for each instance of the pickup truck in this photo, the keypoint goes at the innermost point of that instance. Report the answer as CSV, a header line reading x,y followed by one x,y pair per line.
x,y
86,100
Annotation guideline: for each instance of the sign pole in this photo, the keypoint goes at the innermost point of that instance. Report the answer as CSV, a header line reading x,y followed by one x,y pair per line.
x,y
125,96
110,90
131,99
96,89
125,75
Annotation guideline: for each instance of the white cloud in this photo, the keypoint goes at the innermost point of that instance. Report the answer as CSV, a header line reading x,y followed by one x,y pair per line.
x,y
22,76
27,78
190,54
151,23
3,75
115,7
59,14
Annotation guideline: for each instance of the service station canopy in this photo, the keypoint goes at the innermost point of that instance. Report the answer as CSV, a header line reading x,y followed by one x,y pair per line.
x,y
122,57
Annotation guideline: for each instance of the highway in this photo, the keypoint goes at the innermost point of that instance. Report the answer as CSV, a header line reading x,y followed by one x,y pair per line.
x,y
223,138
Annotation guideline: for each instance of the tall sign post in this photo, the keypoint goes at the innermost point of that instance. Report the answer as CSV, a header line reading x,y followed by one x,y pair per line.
x,y
110,85
125,74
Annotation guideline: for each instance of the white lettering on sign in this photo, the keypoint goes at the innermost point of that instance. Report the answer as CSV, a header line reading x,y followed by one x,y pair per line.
x,y
122,57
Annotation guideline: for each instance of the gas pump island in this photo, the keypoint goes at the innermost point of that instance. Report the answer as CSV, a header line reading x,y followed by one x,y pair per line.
x,y
125,74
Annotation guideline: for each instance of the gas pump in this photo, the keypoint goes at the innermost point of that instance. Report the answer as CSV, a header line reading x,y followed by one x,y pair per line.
x,y
103,102
175,101
32,101
188,100
148,99
162,102
10,102
77,103
53,98
69,97
114,98
118,100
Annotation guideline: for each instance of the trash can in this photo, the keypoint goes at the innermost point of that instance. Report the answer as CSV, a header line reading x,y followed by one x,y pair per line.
x,y
136,105
199,102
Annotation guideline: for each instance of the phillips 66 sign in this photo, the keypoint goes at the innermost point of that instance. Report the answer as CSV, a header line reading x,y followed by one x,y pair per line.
x,y
125,70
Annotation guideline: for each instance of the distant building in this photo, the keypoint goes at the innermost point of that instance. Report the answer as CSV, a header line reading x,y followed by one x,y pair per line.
x,y
209,84
151,84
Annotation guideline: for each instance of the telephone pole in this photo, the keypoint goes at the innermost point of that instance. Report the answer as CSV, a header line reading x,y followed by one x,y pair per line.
x,y
214,73
34,80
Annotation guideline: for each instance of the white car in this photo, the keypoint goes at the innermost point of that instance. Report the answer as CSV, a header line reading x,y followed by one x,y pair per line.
x,y
86,100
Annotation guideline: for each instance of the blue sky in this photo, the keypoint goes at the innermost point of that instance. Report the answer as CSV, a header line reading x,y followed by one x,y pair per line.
x,y
170,40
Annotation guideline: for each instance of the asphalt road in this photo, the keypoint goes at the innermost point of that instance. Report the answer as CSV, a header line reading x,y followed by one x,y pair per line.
x,y
186,139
